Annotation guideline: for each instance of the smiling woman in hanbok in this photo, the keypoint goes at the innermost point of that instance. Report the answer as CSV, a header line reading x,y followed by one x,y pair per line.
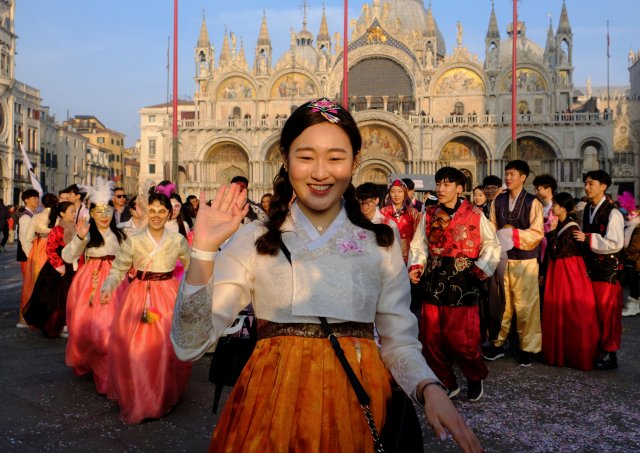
x,y
89,321
147,379
293,394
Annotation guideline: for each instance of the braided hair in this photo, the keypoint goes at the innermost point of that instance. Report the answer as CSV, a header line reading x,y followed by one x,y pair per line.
x,y
302,118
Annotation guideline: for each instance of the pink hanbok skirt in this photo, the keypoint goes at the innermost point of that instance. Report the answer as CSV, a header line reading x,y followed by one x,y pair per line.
x,y
89,321
147,379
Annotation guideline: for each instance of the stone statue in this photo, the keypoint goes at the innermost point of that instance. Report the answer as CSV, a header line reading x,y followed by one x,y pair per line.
x,y
429,59
459,25
293,37
632,57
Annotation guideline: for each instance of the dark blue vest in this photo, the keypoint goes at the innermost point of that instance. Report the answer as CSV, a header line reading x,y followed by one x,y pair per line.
x,y
518,218
602,267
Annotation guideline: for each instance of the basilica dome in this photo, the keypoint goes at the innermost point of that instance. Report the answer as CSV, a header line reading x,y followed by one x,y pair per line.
x,y
412,17
527,50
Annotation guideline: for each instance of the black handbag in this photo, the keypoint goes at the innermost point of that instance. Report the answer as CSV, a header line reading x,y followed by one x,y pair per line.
x,y
231,355
402,431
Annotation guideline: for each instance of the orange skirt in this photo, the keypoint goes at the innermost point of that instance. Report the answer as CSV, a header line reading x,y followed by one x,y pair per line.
x,y
293,395
35,261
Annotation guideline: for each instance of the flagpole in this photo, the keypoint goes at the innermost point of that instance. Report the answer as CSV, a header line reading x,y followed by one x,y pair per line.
x,y
345,64
174,129
608,60
514,89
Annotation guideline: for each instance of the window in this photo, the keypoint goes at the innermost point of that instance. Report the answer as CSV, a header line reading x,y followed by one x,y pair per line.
x,y
152,118
152,169
66,164
112,141
152,147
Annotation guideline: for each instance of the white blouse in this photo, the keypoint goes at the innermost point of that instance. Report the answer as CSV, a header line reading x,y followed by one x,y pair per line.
x,y
74,249
342,275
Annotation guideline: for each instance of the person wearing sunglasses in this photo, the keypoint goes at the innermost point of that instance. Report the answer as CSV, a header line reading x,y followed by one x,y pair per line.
x,y
121,211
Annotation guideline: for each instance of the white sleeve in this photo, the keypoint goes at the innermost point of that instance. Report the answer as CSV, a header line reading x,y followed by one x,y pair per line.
x,y
418,250
401,350
613,240
202,314
74,249
490,249
25,225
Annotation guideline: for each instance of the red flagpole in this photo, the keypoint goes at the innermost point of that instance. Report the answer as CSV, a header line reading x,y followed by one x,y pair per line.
x,y
514,89
345,64
174,129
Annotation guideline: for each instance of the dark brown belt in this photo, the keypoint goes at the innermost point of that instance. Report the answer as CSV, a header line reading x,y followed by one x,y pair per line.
x,y
103,258
154,276
268,329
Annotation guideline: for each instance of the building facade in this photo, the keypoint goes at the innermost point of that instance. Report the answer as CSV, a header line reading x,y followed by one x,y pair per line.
x,y
419,105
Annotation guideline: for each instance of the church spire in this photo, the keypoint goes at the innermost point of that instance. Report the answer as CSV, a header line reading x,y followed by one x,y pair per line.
x,y
203,40
263,38
563,26
225,52
323,34
551,39
493,32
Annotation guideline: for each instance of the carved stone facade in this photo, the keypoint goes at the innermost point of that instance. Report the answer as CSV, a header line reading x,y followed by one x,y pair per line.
x,y
419,107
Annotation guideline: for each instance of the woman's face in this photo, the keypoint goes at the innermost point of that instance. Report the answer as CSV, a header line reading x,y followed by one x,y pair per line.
x,y
397,195
69,215
102,216
158,215
320,166
479,198
557,209
175,205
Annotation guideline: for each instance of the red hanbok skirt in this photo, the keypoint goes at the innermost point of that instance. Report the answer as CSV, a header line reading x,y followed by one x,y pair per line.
x,y
147,378
570,329
89,322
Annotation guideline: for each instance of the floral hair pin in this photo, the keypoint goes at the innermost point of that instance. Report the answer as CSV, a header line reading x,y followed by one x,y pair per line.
x,y
327,108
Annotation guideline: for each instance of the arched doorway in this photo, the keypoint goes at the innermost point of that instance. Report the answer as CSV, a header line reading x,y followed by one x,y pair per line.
x,y
273,162
221,160
468,155
538,154
375,173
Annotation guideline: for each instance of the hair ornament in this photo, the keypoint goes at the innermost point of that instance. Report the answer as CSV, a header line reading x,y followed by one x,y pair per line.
x,y
327,108
101,192
167,190
397,183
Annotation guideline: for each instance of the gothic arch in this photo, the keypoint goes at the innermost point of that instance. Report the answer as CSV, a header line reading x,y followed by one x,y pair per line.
x,y
538,152
216,140
601,145
393,122
487,154
536,80
467,153
375,170
503,150
459,80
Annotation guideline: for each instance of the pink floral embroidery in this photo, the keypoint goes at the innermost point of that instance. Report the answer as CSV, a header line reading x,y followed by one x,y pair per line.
x,y
353,245
459,233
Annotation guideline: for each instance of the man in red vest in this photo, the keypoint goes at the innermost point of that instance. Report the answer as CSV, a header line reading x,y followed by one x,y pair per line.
x,y
456,248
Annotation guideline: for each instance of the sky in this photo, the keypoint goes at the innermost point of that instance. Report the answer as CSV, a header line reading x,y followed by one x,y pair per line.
x,y
109,58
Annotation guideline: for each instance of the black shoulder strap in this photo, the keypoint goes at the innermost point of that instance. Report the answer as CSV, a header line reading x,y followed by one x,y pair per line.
x,y
286,251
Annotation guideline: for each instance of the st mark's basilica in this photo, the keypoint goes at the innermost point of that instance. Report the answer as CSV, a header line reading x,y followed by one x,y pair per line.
x,y
421,103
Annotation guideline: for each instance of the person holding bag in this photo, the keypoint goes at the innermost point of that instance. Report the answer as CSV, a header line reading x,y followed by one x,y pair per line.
x,y
294,393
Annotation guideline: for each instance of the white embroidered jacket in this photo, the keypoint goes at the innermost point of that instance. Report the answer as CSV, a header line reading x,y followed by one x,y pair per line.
x,y
143,253
342,274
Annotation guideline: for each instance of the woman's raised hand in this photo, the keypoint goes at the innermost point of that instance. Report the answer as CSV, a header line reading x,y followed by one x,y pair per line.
x,y
216,223
82,227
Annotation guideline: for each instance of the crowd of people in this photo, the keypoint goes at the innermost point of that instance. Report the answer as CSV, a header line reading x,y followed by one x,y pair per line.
x,y
143,285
